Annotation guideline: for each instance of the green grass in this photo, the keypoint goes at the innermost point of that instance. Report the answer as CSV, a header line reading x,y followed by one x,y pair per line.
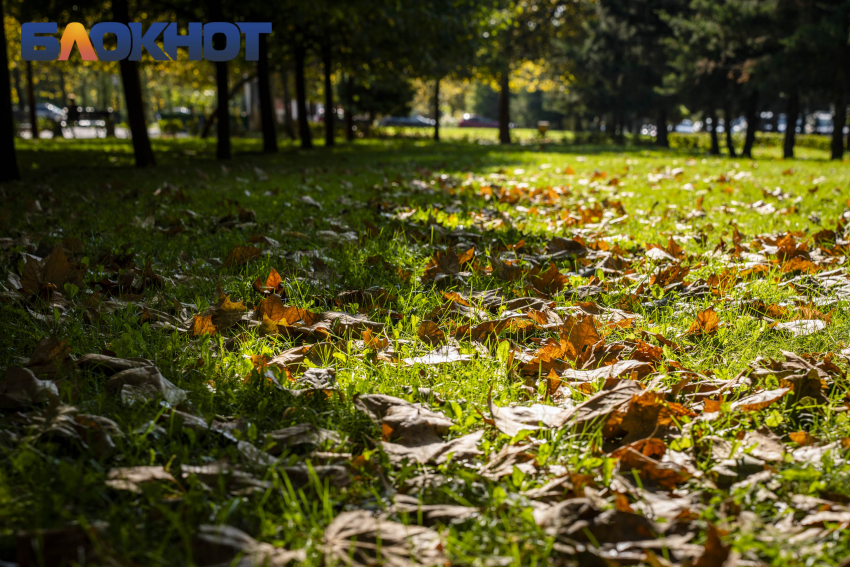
x,y
89,190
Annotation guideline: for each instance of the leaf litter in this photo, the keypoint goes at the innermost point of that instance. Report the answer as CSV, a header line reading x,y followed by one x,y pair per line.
x,y
617,383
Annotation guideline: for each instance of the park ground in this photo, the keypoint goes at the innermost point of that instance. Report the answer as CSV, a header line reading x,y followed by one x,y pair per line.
x,y
713,291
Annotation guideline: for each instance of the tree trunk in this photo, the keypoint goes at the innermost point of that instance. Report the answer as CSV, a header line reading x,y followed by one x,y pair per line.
x,y
301,98
133,101
62,91
839,118
437,110
349,109
715,143
266,106
223,150
9,171
330,113
31,103
727,128
791,114
504,108
288,128
19,90
752,118
661,139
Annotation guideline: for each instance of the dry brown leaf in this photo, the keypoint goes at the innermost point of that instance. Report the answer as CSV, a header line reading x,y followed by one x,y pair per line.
x,y
240,255
707,322
214,546
358,539
760,401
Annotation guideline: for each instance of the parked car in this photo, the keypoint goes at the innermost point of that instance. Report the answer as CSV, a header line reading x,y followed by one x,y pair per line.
x,y
408,121
50,111
819,122
685,127
782,124
475,121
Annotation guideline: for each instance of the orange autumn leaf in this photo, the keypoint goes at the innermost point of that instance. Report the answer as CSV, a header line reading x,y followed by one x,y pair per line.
x,y
707,322
203,325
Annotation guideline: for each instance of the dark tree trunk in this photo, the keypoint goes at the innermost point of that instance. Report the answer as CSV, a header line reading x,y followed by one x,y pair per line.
x,y
19,91
661,139
349,109
504,109
133,98
437,110
752,117
223,150
791,114
266,107
330,112
301,98
288,128
9,171
63,92
727,128
839,119
31,103
715,143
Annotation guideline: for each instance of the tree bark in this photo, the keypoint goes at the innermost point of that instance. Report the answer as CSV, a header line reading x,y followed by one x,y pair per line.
x,y
288,128
437,110
504,108
330,112
791,113
31,102
62,90
349,109
133,100
715,143
301,98
839,118
727,128
266,106
661,138
752,118
223,149
9,171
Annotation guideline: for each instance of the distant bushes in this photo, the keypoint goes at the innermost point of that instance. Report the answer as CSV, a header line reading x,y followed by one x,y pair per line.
x,y
702,141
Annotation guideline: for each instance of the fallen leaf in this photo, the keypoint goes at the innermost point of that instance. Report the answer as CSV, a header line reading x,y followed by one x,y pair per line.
x,y
359,539
221,545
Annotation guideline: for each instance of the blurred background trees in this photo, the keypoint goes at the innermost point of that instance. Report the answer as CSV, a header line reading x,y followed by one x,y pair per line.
x,y
617,70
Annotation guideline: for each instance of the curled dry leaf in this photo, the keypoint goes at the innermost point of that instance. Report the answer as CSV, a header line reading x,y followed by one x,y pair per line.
x,y
358,539
131,478
50,358
801,327
214,546
20,388
443,355
646,456
303,434
760,401
706,323
404,422
512,420
431,513
142,384
429,332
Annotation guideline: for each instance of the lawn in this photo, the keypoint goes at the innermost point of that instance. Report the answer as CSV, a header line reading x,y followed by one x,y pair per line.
x,y
424,354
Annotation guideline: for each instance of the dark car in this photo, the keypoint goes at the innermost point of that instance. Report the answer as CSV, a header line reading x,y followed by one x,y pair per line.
x,y
407,121
474,121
